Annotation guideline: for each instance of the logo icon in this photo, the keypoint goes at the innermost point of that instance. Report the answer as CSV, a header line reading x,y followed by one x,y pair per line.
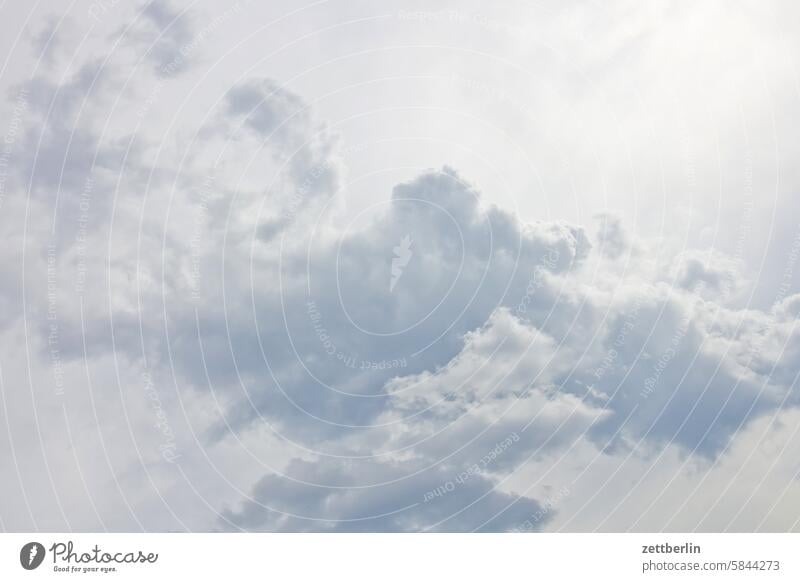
x,y
402,255
31,555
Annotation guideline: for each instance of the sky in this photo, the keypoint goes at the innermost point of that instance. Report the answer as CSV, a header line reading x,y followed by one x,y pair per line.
x,y
399,266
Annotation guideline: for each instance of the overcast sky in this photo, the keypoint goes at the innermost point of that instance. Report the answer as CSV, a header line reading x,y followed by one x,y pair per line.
x,y
399,266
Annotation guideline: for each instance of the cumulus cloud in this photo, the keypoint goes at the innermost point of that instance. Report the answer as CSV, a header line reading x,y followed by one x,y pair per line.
x,y
710,274
430,361
164,34
612,239
410,498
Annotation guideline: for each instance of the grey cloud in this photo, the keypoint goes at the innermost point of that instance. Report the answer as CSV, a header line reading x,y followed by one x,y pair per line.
x,y
708,273
165,33
277,119
408,501
613,241
466,263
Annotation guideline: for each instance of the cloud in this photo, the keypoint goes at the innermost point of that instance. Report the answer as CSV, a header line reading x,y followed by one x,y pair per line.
x,y
710,274
409,499
612,238
164,34
428,361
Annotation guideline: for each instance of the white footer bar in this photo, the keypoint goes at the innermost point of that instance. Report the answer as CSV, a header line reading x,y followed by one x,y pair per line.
x,y
400,557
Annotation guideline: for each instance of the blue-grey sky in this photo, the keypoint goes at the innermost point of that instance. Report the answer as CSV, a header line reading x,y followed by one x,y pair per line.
x,y
399,266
